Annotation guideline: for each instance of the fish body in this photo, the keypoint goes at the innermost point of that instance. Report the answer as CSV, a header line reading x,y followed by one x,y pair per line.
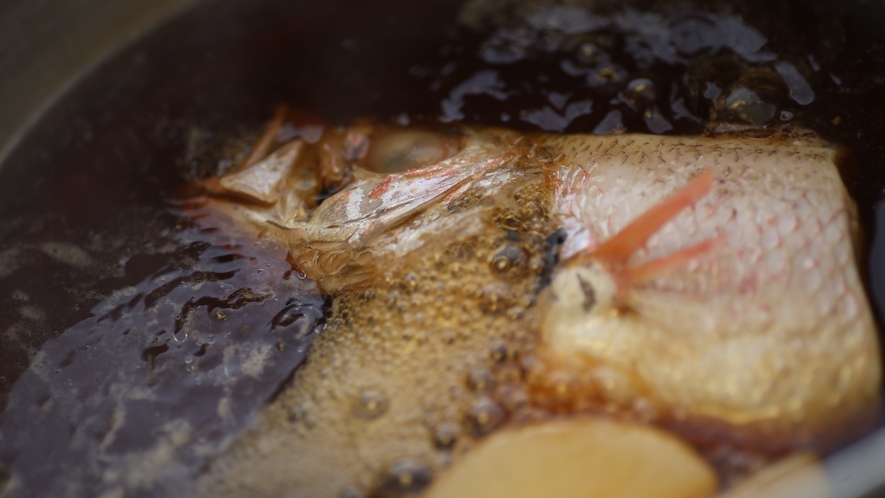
x,y
770,327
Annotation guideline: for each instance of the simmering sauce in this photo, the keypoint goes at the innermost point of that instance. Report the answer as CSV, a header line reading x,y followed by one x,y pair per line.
x,y
143,343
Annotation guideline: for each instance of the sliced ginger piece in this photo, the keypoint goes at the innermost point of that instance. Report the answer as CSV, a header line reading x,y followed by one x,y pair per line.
x,y
579,458
795,476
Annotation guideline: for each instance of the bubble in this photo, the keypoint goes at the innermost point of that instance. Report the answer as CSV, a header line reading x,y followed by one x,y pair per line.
x,y
707,80
510,256
562,383
514,398
508,373
445,435
533,369
405,476
498,352
495,298
606,75
484,416
392,298
371,404
480,379
589,54
754,99
301,416
411,281
509,223
641,92
745,106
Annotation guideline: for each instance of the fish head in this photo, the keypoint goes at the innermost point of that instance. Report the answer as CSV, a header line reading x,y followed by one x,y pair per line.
x,y
361,197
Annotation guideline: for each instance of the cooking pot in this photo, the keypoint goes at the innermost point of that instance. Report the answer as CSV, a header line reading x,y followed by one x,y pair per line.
x,y
51,102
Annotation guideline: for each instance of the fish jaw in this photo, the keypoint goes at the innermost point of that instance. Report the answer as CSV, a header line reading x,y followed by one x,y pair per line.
x,y
769,329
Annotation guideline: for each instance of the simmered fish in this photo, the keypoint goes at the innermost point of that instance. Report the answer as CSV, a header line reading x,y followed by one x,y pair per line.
x,y
482,279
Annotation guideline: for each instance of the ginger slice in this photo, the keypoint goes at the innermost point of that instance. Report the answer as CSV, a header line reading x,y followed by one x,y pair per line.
x,y
579,458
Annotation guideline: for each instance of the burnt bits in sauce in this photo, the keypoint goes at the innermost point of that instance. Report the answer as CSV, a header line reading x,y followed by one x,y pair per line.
x,y
110,296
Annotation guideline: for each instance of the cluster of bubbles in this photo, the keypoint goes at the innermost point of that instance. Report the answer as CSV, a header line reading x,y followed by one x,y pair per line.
x,y
611,69
416,365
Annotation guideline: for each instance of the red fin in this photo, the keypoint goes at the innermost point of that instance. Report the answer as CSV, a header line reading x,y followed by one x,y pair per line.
x,y
643,272
619,249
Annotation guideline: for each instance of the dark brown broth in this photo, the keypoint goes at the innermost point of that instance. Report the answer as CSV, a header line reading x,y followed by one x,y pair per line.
x,y
85,208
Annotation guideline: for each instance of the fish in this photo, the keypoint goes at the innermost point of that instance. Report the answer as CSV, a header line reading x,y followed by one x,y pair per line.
x,y
482,278
748,275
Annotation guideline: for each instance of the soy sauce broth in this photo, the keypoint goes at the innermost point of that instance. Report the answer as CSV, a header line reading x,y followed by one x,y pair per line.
x,y
100,273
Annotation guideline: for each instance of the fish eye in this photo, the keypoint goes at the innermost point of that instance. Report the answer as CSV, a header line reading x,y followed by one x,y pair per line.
x,y
400,150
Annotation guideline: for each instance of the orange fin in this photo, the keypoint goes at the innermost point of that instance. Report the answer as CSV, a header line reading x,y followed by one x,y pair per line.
x,y
645,271
633,237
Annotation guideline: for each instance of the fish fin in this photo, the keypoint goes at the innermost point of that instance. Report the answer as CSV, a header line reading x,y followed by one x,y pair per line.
x,y
618,249
639,274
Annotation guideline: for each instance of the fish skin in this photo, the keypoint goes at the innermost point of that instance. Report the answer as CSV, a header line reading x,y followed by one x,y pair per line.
x,y
745,338
771,329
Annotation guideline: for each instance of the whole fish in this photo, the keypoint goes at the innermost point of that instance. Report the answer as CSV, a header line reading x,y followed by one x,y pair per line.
x,y
481,278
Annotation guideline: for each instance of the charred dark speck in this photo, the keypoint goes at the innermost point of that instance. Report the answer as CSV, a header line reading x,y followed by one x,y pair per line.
x,y
589,294
554,243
